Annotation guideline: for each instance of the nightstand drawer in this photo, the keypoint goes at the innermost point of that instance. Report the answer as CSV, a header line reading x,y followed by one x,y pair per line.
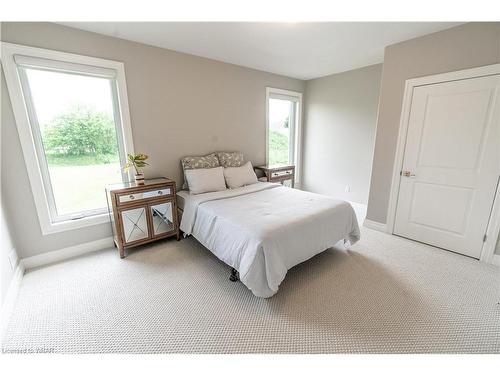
x,y
133,197
283,173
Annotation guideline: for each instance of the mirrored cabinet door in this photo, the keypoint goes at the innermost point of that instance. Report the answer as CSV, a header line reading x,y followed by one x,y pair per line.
x,y
135,224
162,218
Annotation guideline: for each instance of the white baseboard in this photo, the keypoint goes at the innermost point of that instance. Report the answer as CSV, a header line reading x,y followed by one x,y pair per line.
x,y
381,227
10,299
68,252
496,260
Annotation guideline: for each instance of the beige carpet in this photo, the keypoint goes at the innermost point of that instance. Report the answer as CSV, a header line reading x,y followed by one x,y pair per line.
x,y
385,295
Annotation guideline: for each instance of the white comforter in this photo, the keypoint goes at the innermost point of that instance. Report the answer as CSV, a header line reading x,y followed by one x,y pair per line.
x,y
264,229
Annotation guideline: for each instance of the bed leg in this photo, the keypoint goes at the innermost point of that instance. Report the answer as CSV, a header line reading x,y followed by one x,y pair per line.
x,y
234,275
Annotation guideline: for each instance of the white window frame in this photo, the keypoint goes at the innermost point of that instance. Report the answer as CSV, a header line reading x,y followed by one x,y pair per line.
x,y
59,61
275,93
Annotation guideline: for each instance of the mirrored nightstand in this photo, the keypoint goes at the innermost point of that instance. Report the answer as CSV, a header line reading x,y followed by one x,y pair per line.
x,y
142,213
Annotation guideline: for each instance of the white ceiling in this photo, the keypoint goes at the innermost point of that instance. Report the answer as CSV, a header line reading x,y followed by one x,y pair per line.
x,y
299,50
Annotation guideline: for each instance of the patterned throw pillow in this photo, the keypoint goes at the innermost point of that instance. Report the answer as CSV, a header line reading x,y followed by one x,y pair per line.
x,y
230,159
198,162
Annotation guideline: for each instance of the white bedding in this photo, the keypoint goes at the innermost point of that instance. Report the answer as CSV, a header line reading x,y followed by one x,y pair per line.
x,y
264,229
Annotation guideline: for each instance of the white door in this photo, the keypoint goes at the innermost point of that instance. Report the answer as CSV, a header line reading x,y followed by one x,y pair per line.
x,y
451,165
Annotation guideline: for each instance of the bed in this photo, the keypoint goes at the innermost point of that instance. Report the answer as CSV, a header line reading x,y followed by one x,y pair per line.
x,y
264,229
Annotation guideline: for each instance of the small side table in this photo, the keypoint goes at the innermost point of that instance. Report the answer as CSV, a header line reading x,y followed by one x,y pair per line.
x,y
278,173
142,213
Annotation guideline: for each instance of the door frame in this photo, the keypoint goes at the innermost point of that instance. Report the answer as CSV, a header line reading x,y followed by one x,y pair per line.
x,y
493,229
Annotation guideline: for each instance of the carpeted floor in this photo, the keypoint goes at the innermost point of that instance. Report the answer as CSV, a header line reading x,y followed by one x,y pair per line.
x,y
385,295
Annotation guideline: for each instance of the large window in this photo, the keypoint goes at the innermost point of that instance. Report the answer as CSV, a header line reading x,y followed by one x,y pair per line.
x,y
73,122
283,126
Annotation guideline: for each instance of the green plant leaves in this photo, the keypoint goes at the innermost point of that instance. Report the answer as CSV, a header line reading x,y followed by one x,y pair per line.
x,y
136,161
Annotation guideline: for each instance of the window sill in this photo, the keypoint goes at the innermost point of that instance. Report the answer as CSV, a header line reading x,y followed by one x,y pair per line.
x,y
63,226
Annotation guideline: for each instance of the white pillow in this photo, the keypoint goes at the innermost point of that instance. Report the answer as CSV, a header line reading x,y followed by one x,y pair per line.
x,y
204,180
240,176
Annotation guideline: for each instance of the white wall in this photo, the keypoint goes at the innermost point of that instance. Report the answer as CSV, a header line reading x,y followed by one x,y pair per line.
x,y
339,133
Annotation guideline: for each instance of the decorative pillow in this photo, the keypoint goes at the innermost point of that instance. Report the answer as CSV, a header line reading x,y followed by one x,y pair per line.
x,y
197,162
240,176
230,159
205,180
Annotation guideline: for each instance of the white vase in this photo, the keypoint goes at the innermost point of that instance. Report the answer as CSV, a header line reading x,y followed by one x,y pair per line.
x,y
139,179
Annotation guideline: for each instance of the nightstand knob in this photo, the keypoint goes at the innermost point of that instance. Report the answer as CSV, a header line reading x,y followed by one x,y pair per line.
x,y
160,192
131,197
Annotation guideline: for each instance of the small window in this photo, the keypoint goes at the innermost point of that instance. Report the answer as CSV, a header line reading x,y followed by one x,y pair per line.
x,y
283,127
282,121
74,118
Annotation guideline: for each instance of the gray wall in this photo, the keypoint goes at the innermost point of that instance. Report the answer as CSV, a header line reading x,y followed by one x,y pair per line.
x,y
497,250
229,102
6,245
6,248
466,46
339,133
179,105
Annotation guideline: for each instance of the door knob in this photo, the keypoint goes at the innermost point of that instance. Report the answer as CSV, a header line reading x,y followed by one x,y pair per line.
x,y
407,174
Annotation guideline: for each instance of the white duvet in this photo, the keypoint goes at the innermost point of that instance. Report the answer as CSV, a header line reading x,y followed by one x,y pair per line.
x,y
264,229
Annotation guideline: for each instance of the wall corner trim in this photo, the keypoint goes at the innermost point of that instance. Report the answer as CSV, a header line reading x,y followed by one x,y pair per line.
x,y
375,225
10,299
66,253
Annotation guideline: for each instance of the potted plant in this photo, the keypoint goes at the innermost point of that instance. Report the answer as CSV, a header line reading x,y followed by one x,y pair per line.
x,y
137,161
